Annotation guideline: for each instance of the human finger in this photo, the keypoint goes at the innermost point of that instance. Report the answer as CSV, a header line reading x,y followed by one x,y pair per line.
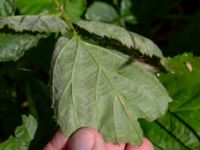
x,y
146,145
86,139
58,142
112,146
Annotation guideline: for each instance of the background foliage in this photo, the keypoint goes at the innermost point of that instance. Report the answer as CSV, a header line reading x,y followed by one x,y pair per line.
x,y
24,84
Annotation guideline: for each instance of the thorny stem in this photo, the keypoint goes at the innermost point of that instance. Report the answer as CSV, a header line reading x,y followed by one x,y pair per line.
x,y
65,17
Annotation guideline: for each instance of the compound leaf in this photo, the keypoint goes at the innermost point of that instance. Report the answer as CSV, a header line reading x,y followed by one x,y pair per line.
x,y
129,39
47,24
95,87
13,46
23,135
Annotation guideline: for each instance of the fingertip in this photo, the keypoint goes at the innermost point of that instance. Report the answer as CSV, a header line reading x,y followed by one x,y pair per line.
x,y
86,139
146,145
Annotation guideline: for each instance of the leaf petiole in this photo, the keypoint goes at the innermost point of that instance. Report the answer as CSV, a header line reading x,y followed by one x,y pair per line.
x,y
65,17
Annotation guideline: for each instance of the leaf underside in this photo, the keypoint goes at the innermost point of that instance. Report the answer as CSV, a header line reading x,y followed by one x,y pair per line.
x,y
41,24
127,38
13,46
95,87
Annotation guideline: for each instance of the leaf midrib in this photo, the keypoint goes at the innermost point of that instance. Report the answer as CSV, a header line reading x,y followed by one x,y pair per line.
x,y
122,57
116,93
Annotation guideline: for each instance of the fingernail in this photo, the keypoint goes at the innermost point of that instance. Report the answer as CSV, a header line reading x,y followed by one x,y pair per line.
x,y
82,140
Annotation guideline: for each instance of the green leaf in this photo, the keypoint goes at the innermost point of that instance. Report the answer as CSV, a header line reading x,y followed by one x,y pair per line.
x,y
7,7
47,24
74,8
170,132
126,12
183,68
101,11
95,87
13,46
129,39
23,135
179,129
35,7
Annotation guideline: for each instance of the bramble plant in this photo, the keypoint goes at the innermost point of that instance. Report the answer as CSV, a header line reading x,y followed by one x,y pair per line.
x,y
101,75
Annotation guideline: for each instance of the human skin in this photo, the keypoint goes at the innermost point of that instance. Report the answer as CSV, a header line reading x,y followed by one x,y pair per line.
x,y
90,139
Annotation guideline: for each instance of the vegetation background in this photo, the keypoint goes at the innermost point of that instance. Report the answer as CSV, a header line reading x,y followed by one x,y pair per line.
x,y
174,25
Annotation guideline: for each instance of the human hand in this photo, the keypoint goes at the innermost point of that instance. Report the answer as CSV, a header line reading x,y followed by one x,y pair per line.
x,y
89,139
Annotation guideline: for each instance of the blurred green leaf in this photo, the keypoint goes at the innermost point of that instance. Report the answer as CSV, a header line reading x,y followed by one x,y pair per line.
x,y
179,129
93,87
23,135
126,12
13,46
48,24
101,11
129,39
115,2
74,8
7,7
183,81
35,7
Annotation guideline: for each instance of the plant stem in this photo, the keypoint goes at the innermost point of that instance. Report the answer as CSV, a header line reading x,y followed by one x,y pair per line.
x,y
65,17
